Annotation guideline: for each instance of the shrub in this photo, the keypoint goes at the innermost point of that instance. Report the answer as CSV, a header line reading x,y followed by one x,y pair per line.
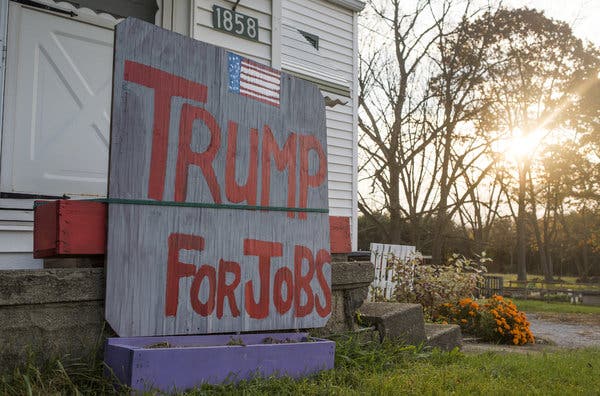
x,y
506,322
431,285
465,313
497,320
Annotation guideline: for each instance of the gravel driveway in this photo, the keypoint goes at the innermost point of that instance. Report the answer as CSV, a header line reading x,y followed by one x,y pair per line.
x,y
564,332
552,331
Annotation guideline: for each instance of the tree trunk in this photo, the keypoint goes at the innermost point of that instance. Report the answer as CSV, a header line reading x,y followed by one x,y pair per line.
x,y
584,272
395,215
541,242
542,253
521,221
439,232
550,264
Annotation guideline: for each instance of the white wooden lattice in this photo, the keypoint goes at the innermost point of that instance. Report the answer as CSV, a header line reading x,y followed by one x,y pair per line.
x,y
384,271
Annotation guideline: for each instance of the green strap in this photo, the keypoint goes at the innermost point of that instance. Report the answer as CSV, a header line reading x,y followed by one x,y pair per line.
x,y
196,205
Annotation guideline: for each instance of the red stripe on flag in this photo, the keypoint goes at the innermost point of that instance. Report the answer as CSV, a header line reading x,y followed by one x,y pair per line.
x,y
261,68
258,78
269,102
274,94
253,92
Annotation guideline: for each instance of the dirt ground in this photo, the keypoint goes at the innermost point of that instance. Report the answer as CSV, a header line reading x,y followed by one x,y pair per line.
x,y
552,331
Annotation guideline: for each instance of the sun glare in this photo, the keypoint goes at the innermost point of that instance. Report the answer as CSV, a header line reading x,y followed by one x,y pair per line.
x,y
521,145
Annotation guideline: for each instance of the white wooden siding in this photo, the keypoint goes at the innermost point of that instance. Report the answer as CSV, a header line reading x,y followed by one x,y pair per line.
x,y
333,67
355,133
16,242
3,31
340,152
258,50
332,64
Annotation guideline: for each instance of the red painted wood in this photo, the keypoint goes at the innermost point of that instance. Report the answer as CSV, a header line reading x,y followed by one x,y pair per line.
x,y
78,228
69,228
45,230
339,234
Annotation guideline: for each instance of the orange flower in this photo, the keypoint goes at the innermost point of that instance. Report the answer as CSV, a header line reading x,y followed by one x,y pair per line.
x,y
464,302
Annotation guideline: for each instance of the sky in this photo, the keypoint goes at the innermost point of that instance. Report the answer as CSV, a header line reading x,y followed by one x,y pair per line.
x,y
582,15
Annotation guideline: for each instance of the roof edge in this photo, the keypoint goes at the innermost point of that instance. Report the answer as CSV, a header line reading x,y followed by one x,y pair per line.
x,y
354,5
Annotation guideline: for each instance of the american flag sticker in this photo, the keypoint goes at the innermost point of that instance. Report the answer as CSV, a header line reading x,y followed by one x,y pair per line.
x,y
253,80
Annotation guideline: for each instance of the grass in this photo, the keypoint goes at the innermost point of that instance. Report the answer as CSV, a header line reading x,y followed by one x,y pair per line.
x,y
531,277
56,377
555,307
563,282
445,373
368,368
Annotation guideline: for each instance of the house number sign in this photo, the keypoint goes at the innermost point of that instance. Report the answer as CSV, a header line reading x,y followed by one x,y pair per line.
x,y
235,23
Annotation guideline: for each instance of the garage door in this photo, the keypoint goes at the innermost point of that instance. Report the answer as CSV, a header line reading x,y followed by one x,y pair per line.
x,y
56,105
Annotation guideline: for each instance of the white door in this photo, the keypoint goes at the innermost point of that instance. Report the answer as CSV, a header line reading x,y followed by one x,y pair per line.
x,y
57,105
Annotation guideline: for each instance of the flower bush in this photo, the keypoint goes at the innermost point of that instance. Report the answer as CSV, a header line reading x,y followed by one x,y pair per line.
x,y
497,320
431,285
508,324
465,313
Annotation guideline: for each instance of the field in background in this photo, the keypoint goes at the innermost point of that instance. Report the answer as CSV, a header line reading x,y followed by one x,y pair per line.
x,y
556,307
564,282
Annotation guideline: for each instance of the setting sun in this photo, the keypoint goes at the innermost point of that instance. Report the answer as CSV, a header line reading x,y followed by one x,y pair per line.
x,y
521,145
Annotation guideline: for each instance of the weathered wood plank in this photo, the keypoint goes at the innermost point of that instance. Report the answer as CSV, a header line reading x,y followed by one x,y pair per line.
x,y
340,234
184,129
94,220
65,228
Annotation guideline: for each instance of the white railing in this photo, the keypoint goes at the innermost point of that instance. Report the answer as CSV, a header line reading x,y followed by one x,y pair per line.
x,y
384,270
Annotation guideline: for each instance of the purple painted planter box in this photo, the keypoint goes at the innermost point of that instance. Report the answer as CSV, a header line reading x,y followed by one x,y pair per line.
x,y
182,362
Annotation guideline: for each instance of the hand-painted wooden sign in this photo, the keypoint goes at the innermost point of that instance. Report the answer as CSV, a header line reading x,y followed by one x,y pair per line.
x,y
217,193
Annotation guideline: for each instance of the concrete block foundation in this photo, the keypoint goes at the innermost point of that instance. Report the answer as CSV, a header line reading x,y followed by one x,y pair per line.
x,y
50,313
59,313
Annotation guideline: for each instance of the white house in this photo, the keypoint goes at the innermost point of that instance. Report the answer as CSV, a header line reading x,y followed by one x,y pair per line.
x,y
55,89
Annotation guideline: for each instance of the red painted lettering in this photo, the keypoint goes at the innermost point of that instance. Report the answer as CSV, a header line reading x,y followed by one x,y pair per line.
x,y
228,291
323,257
264,250
186,156
302,282
235,192
283,275
308,143
284,158
208,272
176,269
165,85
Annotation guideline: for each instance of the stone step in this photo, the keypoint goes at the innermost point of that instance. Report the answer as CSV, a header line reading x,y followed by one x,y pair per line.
x,y
399,321
443,336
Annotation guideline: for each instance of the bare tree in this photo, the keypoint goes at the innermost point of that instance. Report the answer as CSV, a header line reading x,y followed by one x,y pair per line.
x,y
534,81
417,111
393,100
